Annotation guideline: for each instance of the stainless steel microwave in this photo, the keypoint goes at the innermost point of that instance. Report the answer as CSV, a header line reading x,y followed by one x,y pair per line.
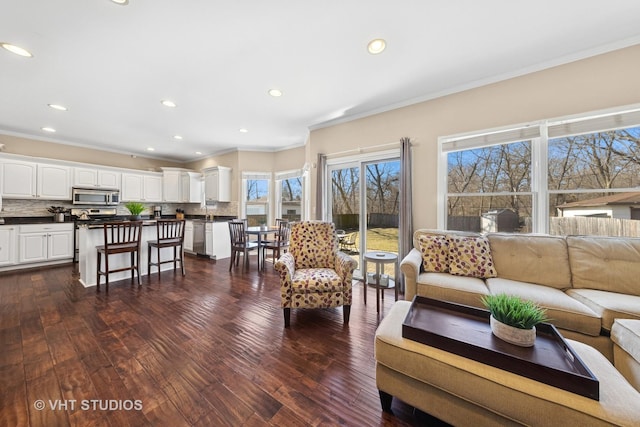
x,y
95,197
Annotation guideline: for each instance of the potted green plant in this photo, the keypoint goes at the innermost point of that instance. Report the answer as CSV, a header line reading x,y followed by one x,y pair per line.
x,y
135,209
514,319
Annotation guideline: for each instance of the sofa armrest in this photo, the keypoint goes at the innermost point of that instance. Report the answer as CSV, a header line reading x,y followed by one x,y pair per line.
x,y
410,266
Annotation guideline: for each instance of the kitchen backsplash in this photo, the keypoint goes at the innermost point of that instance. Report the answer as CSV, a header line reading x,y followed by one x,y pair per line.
x,y
29,207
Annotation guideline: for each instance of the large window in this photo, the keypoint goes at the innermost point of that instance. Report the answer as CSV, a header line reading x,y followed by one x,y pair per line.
x,y
290,195
256,197
572,176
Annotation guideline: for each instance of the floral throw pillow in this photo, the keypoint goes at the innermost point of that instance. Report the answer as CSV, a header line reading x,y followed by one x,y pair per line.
x,y
435,253
470,256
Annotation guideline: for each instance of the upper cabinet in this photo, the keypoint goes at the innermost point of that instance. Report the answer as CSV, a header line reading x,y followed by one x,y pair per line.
x,y
171,185
95,177
27,180
217,184
141,187
191,187
181,186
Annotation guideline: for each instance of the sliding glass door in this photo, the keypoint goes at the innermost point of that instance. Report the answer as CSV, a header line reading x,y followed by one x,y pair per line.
x,y
364,205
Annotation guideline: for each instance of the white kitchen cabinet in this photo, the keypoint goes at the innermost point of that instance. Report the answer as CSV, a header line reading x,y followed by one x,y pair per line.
x,y
141,188
54,182
172,186
45,242
109,178
191,187
131,187
217,241
217,184
188,236
152,188
28,180
19,179
95,177
8,244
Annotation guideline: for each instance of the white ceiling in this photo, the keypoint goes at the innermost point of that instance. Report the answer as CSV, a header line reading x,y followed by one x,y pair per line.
x,y
111,65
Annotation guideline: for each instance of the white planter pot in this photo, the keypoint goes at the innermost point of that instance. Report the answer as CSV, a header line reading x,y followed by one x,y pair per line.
x,y
517,336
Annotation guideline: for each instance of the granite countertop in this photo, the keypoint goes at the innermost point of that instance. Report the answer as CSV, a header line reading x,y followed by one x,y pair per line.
x,y
18,220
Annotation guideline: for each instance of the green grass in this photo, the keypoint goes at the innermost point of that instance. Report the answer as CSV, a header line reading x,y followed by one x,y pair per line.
x,y
378,239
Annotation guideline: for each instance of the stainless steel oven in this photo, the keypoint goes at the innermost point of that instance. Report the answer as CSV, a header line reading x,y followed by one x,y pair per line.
x,y
95,196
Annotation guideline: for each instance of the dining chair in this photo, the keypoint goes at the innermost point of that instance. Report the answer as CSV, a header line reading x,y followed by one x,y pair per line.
x,y
278,221
119,238
239,243
170,234
281,244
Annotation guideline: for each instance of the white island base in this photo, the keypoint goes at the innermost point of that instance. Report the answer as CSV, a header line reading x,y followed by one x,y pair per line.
x,y
89,238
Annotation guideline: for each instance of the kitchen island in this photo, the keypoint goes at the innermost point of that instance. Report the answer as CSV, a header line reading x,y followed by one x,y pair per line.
x,y
91,236
217,245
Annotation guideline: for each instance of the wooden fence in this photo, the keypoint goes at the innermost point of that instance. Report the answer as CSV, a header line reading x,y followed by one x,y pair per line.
x,y
594,226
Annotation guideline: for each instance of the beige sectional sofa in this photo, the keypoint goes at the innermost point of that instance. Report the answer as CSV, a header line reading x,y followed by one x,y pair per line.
x,y
584,282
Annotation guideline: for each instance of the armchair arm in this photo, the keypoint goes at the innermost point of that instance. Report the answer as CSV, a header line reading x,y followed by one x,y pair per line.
x,y
285,266
410,266
345,266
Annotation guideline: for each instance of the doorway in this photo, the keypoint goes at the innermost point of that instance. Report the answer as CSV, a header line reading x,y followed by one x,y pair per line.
x,y
363,203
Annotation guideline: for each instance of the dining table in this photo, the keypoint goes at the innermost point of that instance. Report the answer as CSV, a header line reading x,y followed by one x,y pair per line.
x,y
261,232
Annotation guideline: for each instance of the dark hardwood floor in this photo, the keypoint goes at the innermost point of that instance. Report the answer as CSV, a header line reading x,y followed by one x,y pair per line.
x,y
207,349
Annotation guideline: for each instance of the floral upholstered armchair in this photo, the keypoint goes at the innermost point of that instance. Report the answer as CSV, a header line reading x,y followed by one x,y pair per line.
x,y
314,274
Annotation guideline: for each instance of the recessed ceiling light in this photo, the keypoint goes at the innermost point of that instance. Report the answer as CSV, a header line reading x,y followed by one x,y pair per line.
x,y
121,2
58,107
168,103
16,49
275,92
151,149
48,129
243,130
376,46
179,137
198,152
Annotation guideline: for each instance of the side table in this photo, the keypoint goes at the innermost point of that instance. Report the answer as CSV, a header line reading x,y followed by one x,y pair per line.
x,y
380,259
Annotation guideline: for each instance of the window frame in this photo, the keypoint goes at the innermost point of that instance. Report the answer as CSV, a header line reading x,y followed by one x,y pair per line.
x,y
538,133
247,176
284,175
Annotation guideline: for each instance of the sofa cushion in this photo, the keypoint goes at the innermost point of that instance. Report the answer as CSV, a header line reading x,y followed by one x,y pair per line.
x,y
608,305
531,258
446,287
626,334
470,256
562,310
435,253
434,232
605,263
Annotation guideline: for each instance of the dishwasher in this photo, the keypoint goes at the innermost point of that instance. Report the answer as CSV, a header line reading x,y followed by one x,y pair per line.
x,y
198,238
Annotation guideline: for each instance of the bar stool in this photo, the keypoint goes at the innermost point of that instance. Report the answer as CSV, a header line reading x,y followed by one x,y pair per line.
x,y
170,235
119,238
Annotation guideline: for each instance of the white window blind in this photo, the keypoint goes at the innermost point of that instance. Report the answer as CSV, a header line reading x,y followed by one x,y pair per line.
x,y
297,173
256,175
594,124
492,138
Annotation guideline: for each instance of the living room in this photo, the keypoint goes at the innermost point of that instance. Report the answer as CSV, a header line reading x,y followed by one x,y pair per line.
x,y
38,322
